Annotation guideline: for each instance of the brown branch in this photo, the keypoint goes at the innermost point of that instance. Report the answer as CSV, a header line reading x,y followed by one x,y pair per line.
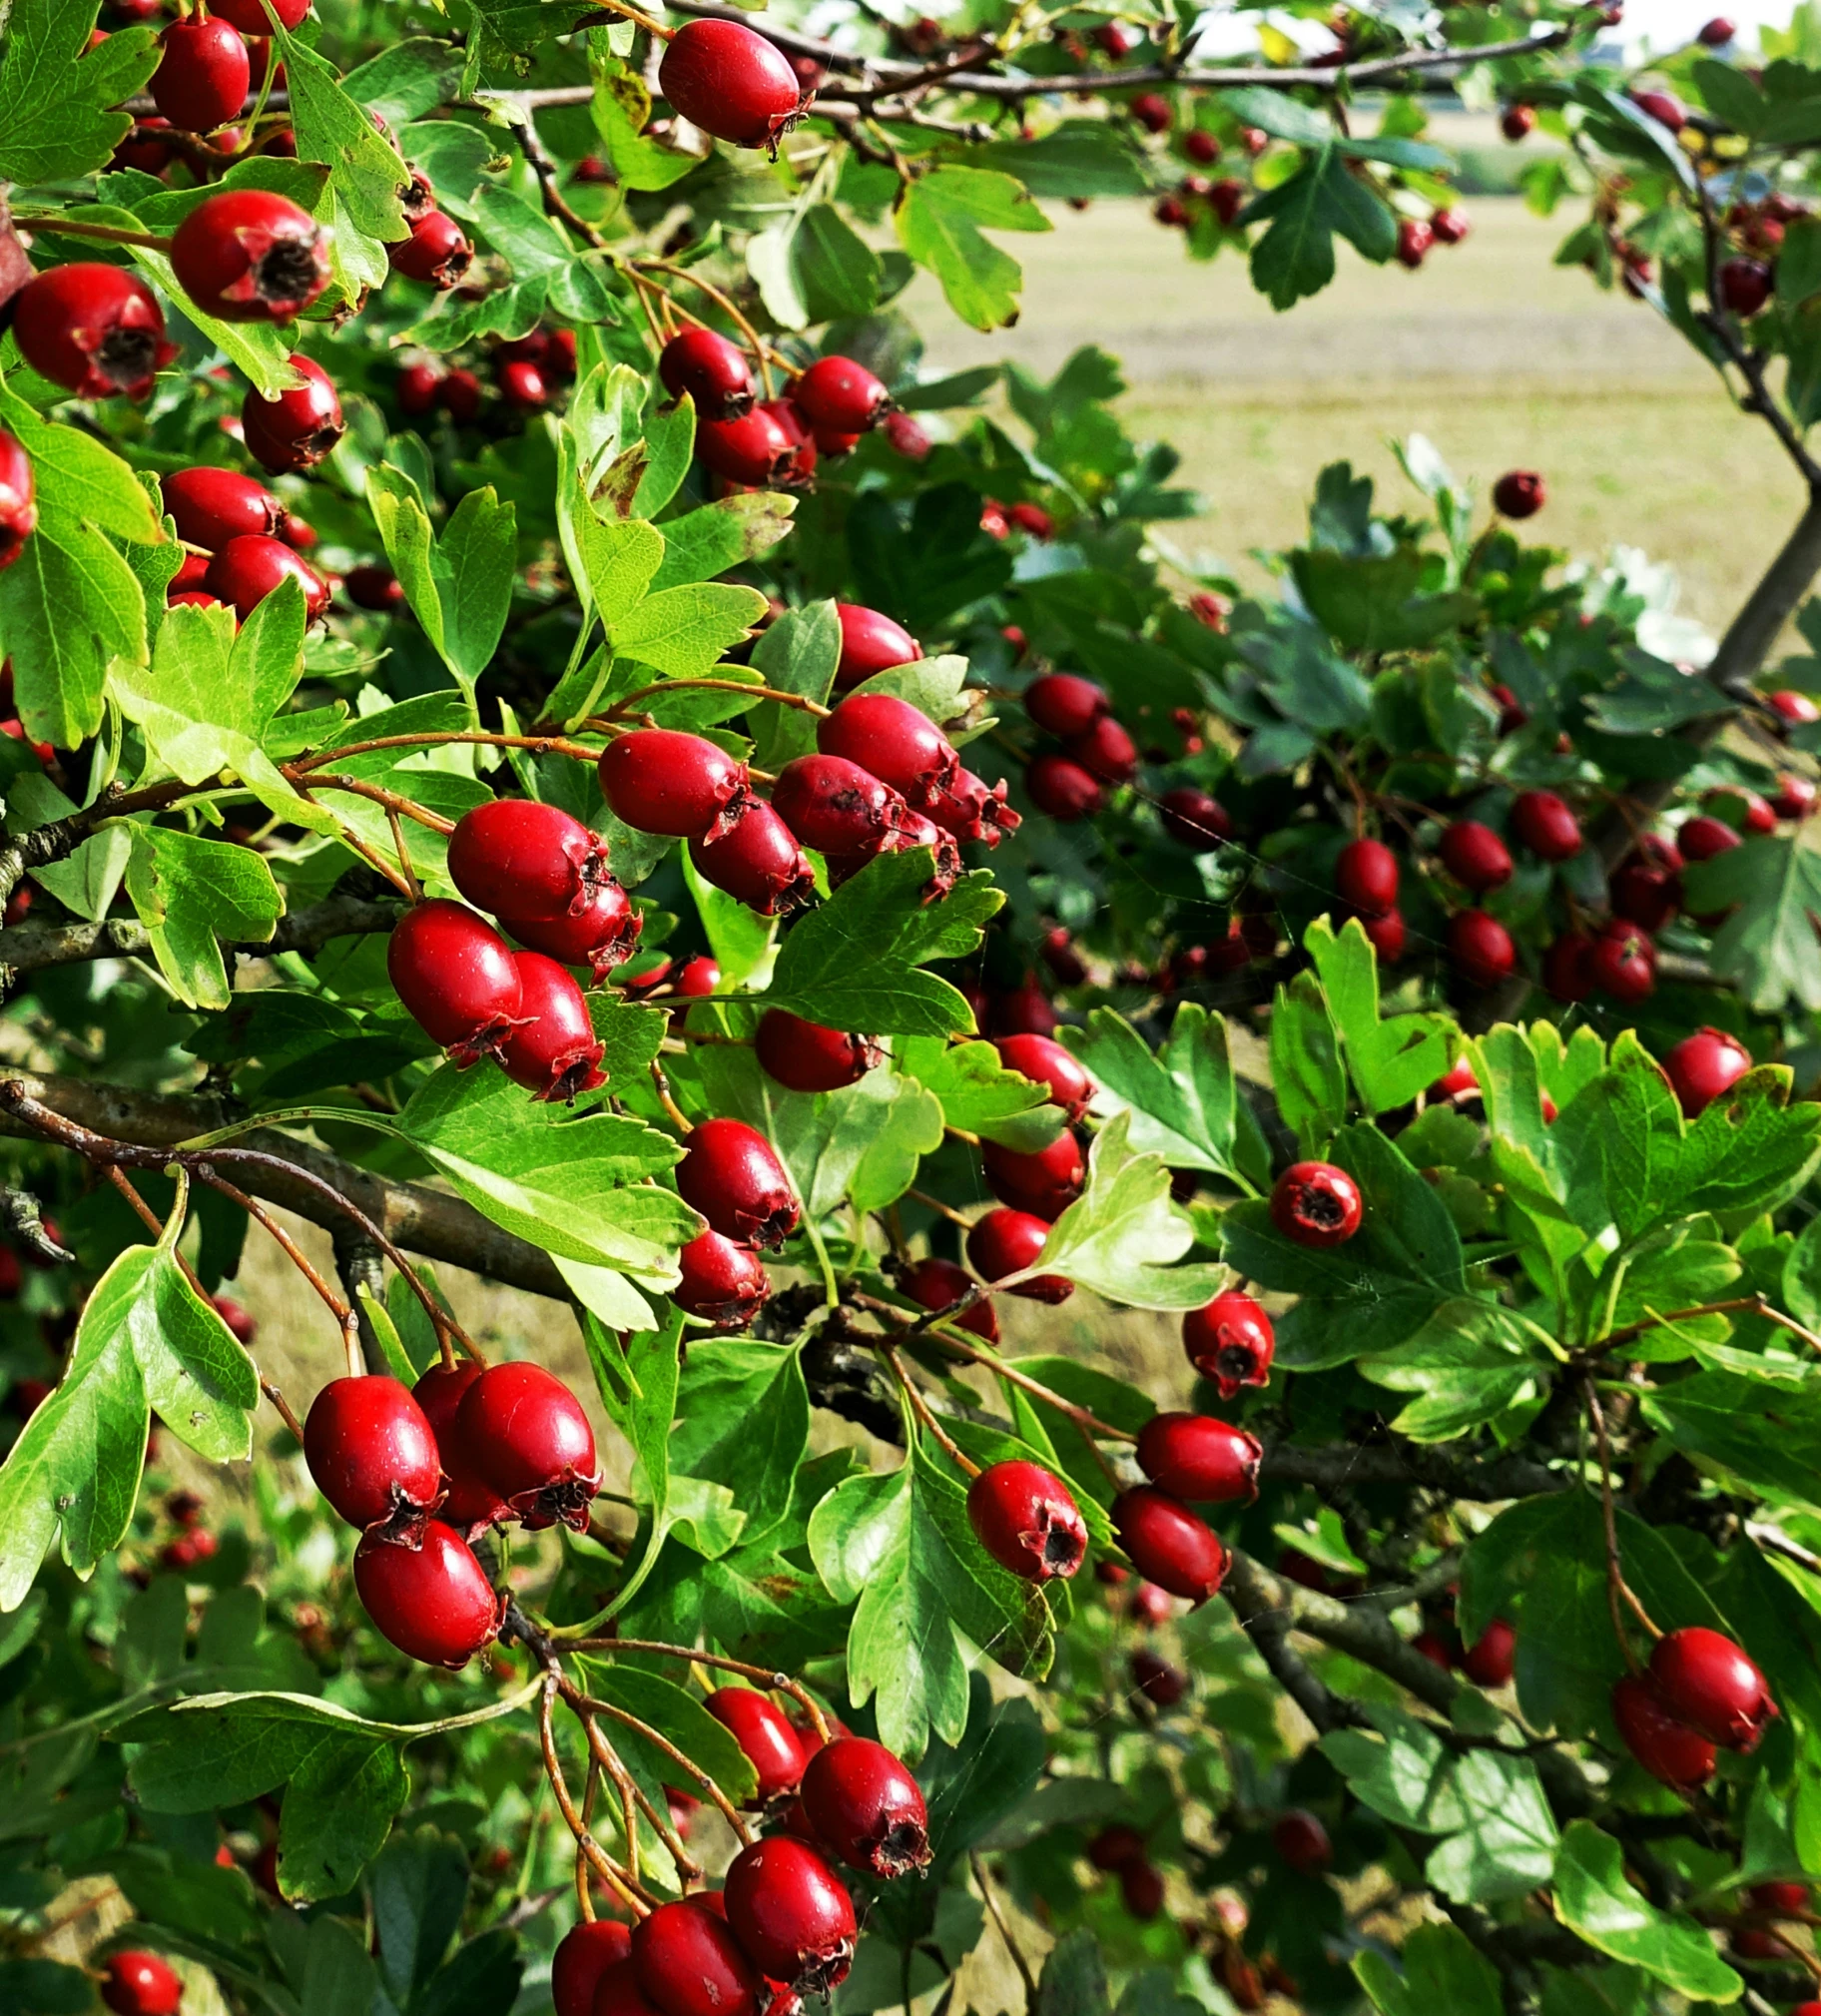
x,y
29,948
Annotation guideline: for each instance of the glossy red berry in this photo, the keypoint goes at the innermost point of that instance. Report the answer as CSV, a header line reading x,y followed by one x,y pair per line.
x,y
374,587
971,808
140,1984
1168,1544
1480,948
583,1956
202,75
433,1601
837,807
1104,751
248,568
601,936
1518,122
723,1282
1387,933
1715,34
1316,1204
1746,284
1646,888
896,742
869,643
1567,966
1488,1662
838,395
792,1914
1796,710
866,1807
758,860
247,254
659,780
1662,106
297,428
1706,1681
1546,824
1415,237
1195,1456
1152,112
552,1050
1027,1519
212,506
527,1438
1701,837
732,1175
1755,811
1230,1340
372,1452
437,251
754,449
806,1057
1044,1183
1161,1682
1063,789
717,374
1786,1900
1301,1839
619,1992
1141,1888
419,389
1795,796
1045,1062
469,1502
1703,1067
730,82
1520,493
1112,1847
95,329
18,506
1366,876
1194,819
1449,226
460,392
530,858
765,1735
939,1285
1667,1748
1006,1242
1474,856
690,1963
1064,703
1622,961
240,1321
248,16
455,974
522,386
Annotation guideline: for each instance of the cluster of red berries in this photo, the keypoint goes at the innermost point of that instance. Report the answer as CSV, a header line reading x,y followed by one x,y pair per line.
x,y
242,541
423,1470
1097,752
1123,1851
1700,1691
783,1925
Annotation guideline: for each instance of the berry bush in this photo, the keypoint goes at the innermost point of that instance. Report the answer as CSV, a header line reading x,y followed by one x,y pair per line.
x,y
544,748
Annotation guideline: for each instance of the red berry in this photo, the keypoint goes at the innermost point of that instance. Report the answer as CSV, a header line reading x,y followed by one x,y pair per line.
x,y
659,780
837,807
1113,1847
689,1963
969,809
866,1807
1033,518
142,149
1230,1340
1705,1681
723,1282
1142,1889
1512,716
452,970
698,977
1044,1183
754,449
527,1438
731,1175
1480,948
1455,1083
1567,969
1160,1682
433,1601
1487,1660
938,1285
1746,284
248,16
372,1452
765,1735
460,392
419,389
552,1050
297,428
1006,1242
792,1914
1201,146
869,643
95,329
521,385
758,860
1518,122
1474,856
840,395
1644,888
1064,703
1301,1839
248,568
1622,961
1168,1544
140,1984
1545,825
1668,1749
1021,1011
436,251
1755,811
1228,196
1063,789
1795,796
1415,238
908,437
1045,1062
202,75
1786,1900
895,741
469,1502
1703,1067
1663,106
806,1057
730,82
1151,110
1196,1457
18,509
1104,751
531,858
372,587
1701,837
246,255
1519,493
582,1957
619,1993
1316,1204
212,506
1366,876
1025,1518
600,936
239,1321
1796,709
1194,819
1386,933
1449,226
717,374
1715,34
1436,1648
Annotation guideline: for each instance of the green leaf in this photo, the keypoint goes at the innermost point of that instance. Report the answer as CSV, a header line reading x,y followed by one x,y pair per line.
x,y
741,939
419,1887
60,100
1389,1061
677,1715
705,542
855,963
79,479
682,632
1074,1982
1294,256
622,111
814,268
637,1382
1760,1434
459,587
939,220
1767,948
1182,1100
1122,1237
1080,158
1470,1362
978,1094
69,606
1441,1969
1593,1898
186,889
1306,1068
405,81
743,1422
796,654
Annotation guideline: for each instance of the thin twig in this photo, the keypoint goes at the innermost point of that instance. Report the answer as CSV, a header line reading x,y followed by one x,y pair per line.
x,y
920,1408
1005,1931
1616,1584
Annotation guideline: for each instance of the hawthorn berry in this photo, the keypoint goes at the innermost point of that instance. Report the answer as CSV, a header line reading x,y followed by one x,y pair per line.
x,y
730,82
432,1600
753,448
1518,122
766,1737
1386,933
372,1453
248,568
1194,819
1746,284
756,860
601,936
1703,1067
697,977
1415,239
212,506
522,385
1301,1839
297,428
1114,1846
1195,1456
1754,811
18,508
1622,961
552,1050
1701,837
866,1807
1161,1682
1451,226
240,1321
1366,876
141,148
1044,1183
1230,1339
1786,1900
1063,789
1045,1062
906,437
1795,796
374,587
842,396
1708,1681
1006,1242
202,75
1141,1888
1480,948
1168,1544
939,1285
455,974
869,643
1567,966
1152,112
1027,1519
1795,710
732,1175
660,780
138,1983
1064,703
1645,889
460,392
806,1057
899,744
95,329
1715,34
715,373
1519,493
247,254
1546,824
1316,1204
527,1438
437,251
837,807
248,16
1104,751
583,1956
1662,106
723,1282
971,808
520,855
1667,1748
619,1993
1489,1659
1474,856
418,390
469,1503
792,1914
